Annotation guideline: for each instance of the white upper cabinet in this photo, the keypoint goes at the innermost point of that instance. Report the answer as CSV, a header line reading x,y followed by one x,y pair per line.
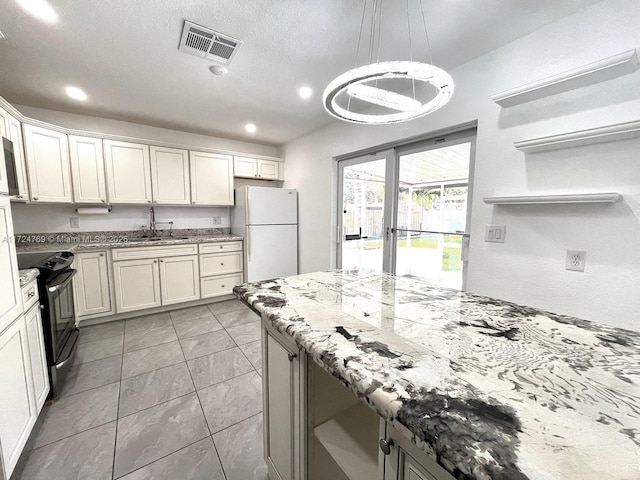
x,y
211,178
4,123
87,170
128,172
268,169
262,169
245,167
10,295
170,176
15,135
47,155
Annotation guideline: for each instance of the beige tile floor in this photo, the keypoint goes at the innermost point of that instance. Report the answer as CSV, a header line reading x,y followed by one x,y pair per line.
x,y
166,396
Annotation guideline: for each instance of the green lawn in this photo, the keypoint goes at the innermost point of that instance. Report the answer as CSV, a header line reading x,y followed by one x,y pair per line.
x,y
451,252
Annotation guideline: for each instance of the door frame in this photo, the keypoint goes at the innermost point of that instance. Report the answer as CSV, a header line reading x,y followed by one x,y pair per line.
x,y
466,133
390,165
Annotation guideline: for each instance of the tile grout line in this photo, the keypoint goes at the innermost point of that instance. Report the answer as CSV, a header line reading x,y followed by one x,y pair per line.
x,y
115,439
234,424
165,456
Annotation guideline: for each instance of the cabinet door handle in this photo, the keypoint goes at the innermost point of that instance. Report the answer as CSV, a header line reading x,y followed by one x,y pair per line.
x,y
385,445
291,356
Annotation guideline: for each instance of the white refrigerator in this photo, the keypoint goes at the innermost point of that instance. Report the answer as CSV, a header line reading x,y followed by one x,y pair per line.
x,y
267,218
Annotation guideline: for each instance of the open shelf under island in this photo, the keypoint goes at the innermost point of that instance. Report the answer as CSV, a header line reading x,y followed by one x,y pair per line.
x,y
454,385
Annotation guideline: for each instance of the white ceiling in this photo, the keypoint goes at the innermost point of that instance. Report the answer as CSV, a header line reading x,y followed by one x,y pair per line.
x,y
124,55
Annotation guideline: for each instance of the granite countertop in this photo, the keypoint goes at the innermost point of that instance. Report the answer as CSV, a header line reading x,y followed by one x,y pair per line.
x,y
101,240
491,389
27,275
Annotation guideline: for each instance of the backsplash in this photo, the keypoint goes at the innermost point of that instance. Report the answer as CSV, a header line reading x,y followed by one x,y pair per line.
x,y
51,218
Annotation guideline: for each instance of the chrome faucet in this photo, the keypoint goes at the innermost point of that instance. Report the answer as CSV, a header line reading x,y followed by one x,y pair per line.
x,y
152,222
153,230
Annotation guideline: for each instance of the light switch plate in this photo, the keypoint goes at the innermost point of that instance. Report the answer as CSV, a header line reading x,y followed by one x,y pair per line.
x,y
495,233
74,222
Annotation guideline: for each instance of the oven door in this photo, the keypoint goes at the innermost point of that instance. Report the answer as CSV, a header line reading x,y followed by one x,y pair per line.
x,y
61,311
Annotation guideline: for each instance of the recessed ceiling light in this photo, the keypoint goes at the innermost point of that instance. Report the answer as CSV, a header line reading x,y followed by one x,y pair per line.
x,y
40,9
250,127
305,92
218,70
76,93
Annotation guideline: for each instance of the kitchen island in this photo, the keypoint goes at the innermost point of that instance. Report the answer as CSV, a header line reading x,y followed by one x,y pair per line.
x,y
486,388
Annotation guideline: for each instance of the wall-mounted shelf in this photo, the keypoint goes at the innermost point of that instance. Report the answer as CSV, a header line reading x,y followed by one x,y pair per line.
x,y
542,199
595,72
608,133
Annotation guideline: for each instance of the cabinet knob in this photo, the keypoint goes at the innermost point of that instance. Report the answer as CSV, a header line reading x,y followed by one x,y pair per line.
x,y
155,261
291,356
222,286
221,263
103,200
385,445
193,203
35,198
102,254
31,293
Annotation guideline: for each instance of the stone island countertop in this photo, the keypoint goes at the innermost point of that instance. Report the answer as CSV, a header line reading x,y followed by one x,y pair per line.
x,y
489,388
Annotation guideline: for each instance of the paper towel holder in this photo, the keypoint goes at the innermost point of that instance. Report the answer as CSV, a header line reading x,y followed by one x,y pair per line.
x,y
102,210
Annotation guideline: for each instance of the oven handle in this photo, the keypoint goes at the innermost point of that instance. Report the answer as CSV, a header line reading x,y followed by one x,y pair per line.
x,y
61,281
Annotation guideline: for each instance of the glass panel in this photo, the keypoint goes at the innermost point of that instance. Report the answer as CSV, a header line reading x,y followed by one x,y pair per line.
x,y
363,187
432,256
432,213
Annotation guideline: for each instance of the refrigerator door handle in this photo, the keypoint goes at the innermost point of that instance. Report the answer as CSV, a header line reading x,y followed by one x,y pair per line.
x,y
247,208
248,240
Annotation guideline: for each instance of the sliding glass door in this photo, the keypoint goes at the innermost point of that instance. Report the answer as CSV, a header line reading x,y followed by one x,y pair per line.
x,y
362,212
406,210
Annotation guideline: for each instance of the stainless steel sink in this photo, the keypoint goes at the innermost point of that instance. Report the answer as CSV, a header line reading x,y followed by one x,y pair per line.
x,y
157,239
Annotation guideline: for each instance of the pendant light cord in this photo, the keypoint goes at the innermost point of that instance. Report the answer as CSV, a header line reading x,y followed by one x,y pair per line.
x,y
426,33
413,82
355,63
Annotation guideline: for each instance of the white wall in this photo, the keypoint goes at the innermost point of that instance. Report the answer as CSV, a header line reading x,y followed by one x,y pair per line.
x,y
55,218
529,267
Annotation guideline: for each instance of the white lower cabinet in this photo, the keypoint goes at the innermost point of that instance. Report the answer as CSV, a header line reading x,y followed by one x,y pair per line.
x,y
91,284
136,284
315,428
37,355
404,461
282,395
20,368
179,279
220,268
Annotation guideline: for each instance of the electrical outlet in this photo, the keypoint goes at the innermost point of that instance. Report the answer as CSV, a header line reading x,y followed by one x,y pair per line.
x,y
74,222
495,233
576,260
217,220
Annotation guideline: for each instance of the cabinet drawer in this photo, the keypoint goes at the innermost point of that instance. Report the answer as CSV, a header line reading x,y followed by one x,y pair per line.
x,y
220,263
156,251
30,295
221,285
220,247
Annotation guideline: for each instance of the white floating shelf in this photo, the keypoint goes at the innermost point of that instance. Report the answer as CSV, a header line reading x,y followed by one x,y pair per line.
x,y
608,133
595,72
541,199
351,438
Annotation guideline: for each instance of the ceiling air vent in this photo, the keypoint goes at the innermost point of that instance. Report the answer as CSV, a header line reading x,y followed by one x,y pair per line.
x,y
206,43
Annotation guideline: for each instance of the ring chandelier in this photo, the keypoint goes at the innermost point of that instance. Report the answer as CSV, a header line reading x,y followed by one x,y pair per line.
x,y
361,83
